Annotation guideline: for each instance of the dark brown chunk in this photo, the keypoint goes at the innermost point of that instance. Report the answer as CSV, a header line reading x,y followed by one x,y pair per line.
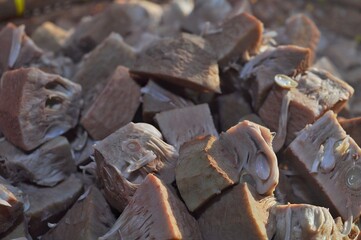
x,y
98,65
317,92
18,232
204,170
239,213
114,107
36,106
49,164
300,30
353,128
158,99
128,155
329,162
260,71
49,204
11,205
155,213
17,49
184,61
232,107
240,34
89,218
181,125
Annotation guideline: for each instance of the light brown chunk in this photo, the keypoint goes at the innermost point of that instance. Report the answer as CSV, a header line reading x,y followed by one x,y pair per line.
x,y
329,162
155,213
239,213
114,107
302,221
204,170
240,34
184,61
49,164
181,125
128,155
260,71
36,107
317,92
88,218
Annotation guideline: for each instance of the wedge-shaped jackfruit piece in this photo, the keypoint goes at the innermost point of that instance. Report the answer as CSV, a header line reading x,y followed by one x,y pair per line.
x,y
238,213
300,30
329,161
49,204
204,169
36,107
89,218
128,155
114,107
97,66
49,164
184,61
240,34
154,213
11,205
17,49
317,91
181,125
260,71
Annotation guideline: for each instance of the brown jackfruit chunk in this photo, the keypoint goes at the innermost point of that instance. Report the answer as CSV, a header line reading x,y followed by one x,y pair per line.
x,y
49,164
120,93
88,218
203,171
49,204
181,125
184,61
239,213
36,106
128,155
329,162
155,213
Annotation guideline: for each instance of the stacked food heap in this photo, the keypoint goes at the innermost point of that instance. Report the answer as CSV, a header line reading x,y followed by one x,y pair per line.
x,y
172,121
